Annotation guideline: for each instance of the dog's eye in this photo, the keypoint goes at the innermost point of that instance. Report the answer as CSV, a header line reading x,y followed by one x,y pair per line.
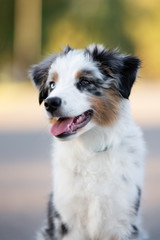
x,y
84,82
52,85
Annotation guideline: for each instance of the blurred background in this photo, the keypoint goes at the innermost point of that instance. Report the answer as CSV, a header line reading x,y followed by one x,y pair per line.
x,y
29,31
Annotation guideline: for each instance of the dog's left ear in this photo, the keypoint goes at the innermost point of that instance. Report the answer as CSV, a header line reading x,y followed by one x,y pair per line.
x,y
128,74
123,69
39,74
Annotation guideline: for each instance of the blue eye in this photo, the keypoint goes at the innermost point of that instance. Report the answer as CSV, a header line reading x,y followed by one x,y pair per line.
x,y
52,85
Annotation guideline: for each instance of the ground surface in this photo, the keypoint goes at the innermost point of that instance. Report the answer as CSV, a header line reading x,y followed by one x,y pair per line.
x,y
25,169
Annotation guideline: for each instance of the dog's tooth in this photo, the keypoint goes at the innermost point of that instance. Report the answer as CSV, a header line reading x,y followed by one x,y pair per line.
x,y
80,119
68,126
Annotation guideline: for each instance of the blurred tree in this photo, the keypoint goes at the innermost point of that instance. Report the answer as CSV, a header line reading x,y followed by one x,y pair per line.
x,y
27,35
6,29
52,11
113,25
107,24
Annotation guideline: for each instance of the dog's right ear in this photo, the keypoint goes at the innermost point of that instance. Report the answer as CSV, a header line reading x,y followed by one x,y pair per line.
x,y
39,72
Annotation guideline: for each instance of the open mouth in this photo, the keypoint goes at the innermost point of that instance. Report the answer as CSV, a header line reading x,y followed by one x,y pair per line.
x,y
65,127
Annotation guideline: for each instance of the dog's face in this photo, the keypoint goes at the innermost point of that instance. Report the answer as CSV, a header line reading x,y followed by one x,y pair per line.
x,y
83,88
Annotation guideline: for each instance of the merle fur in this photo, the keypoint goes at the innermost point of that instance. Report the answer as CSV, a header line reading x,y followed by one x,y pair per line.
x,y
90,88
124,68
94,85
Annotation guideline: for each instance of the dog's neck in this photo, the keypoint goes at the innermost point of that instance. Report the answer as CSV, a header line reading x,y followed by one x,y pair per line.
x,y
98,139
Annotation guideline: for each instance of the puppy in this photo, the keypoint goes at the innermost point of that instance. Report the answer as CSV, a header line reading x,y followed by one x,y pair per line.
x,y
98,150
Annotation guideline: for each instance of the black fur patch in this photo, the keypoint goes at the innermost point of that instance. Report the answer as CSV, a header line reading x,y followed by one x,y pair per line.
x,y
64,229
51,229
107,58
43,93
137,202
128,74
135,231
50,224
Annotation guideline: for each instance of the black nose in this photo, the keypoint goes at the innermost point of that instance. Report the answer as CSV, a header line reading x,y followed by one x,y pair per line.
x,y
52,104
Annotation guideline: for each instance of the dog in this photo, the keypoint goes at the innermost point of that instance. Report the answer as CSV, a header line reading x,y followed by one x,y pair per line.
x,y
98,157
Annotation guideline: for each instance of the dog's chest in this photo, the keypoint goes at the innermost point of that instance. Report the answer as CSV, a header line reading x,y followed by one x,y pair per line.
x,y
88,191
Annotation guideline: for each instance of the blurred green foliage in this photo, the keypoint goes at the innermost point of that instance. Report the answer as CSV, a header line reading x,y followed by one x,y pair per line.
x,y
52,11
6,29
82,22
131,25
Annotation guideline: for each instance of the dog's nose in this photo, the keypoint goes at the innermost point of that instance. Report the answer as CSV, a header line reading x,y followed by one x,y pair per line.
x,y
52,104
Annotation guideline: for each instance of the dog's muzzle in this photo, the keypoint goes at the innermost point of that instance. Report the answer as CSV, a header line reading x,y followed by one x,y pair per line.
x,y
52,104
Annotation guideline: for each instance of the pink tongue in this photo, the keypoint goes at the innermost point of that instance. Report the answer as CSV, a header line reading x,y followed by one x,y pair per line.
x,y
61,126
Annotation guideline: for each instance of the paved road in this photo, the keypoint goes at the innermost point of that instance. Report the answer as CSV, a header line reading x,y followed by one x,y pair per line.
x,y
25,182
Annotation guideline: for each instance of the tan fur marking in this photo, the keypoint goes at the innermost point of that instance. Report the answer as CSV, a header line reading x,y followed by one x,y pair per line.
x,y
78,74
106,108
108,71
55,77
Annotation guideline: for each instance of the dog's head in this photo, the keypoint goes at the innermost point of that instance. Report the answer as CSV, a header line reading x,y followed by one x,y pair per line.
x,y
83,88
